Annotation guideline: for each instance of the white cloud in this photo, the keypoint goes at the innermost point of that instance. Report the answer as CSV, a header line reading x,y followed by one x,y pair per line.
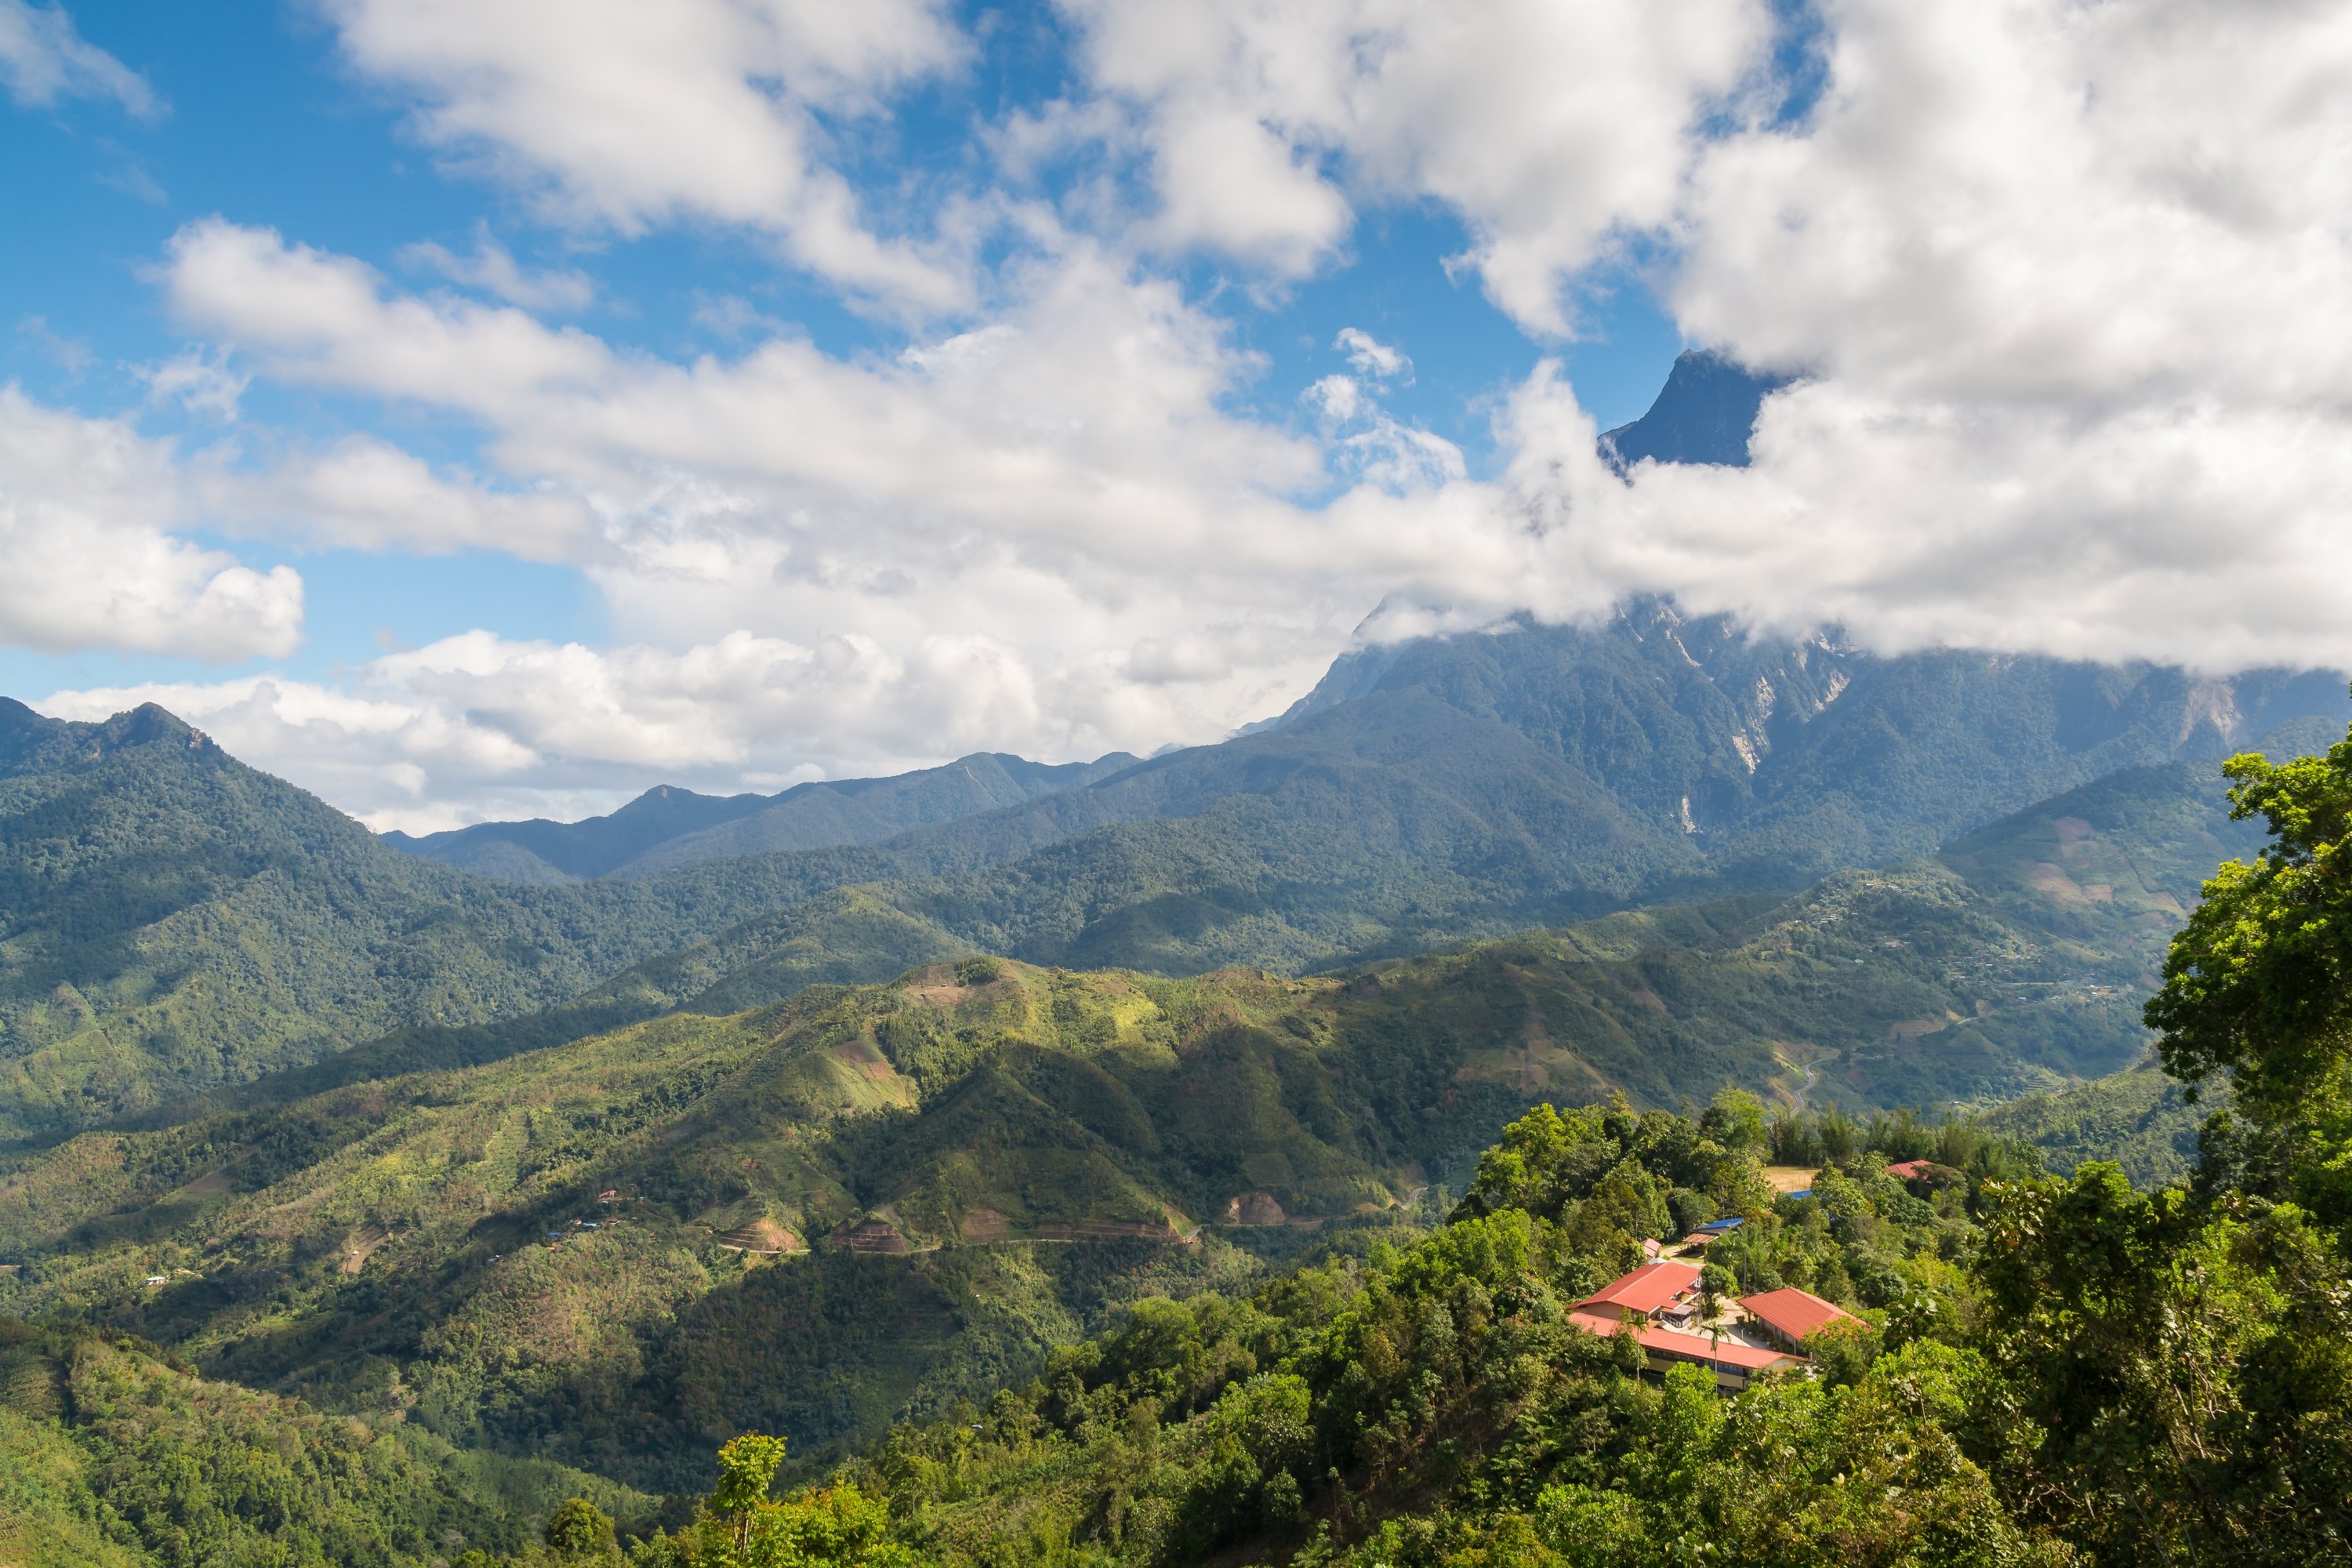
x,y
1550,129
631,115
364,493
1371,357
43,58
1336,398
1368,444
1064,486
198,381
2073,285
88,508
322,319
473,723
493,269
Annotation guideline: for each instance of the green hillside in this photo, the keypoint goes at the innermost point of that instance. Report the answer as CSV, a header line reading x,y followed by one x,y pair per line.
x,y
1118,897
112,1457
173,921
2136,1118
446,1185
981,1159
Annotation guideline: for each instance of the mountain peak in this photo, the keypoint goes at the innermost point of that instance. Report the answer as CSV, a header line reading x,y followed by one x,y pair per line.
x,y
1704,413
29,738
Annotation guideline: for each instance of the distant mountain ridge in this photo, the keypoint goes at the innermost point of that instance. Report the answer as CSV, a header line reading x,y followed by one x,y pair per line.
x,y
668,827
172,920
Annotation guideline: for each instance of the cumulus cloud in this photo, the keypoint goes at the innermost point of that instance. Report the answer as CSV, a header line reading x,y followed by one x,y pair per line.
x,y
2070,286
632,116
1371,357
88,513
198,381
475,724
1368,443
2063,286
1550,129
43,58
493,269
1086,422
364,493
1064,485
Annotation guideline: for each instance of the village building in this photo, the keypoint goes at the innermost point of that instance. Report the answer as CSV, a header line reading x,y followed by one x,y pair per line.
x,y
1790,1317
1734,1365
1644,1294
1654,1303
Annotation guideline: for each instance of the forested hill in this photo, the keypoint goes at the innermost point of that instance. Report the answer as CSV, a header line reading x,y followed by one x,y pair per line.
x,y
867,1217
987,1157
171,919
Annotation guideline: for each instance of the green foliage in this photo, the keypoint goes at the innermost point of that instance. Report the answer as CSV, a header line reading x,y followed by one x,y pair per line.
x,y
579,1530
2139,1119
1050,1134
2258,987
829,1527
137,1461
1436,1404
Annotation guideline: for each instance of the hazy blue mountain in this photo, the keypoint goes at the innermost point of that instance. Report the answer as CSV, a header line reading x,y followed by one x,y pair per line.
x,y
668,827
867,811
1704,413
540,850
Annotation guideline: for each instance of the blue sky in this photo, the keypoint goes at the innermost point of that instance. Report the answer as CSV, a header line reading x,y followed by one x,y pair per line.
x,y
263,123
471,411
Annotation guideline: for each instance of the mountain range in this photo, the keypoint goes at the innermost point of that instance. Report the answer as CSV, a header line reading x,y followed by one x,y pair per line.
x,y
554,1154
983,1158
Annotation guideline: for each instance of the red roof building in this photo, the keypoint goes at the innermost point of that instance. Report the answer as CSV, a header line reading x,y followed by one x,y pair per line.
x,y
1643,1293
1910,1169
1735,1365
1791,1317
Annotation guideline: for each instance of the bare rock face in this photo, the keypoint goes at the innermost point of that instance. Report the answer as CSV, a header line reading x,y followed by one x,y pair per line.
x,y
1255,1208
